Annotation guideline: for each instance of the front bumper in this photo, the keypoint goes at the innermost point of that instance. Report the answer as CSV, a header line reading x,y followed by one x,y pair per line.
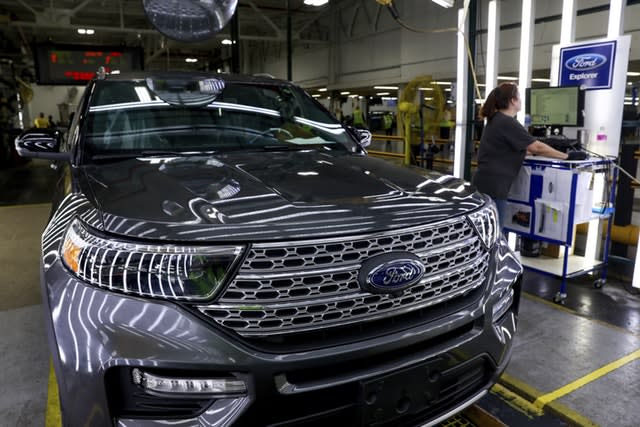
x,y
98,336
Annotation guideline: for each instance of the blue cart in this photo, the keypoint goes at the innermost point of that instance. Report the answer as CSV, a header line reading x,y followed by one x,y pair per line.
x,y
548,199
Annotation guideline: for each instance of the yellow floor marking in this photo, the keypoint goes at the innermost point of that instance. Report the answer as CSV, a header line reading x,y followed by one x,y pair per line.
x,y
517,402
531,394
27,205
53,417
549,303
570,311
598,373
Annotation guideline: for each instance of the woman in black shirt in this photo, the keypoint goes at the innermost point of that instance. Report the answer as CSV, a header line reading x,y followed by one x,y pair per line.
x,y
504,144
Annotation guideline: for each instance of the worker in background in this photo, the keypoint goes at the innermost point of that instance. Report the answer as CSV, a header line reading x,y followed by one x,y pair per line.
x,y
446,124
52,124
41,121
387,124
387,121
504,145
358,118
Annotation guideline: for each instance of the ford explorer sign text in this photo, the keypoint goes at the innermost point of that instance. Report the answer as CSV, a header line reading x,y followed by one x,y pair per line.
x,y
588,65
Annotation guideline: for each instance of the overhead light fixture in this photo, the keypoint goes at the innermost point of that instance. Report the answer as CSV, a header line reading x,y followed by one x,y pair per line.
x,y
633,74
227,42
345,93
316,95
316,2
90,31
444,3
386,87
191,60
443,83
322,89
541,80
426,88
382,93
507,78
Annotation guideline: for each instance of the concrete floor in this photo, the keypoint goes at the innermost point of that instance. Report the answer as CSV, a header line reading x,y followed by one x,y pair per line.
x,y
577,364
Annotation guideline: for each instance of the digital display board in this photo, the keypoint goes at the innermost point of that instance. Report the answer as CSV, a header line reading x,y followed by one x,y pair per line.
x,y
556,106
76,65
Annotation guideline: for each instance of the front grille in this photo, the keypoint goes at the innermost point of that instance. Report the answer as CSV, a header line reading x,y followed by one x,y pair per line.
x,y
312,285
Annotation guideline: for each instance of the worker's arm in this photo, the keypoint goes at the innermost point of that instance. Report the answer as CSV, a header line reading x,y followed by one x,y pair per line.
x,y
539,148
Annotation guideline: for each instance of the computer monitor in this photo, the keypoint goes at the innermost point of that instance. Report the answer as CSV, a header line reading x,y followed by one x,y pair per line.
x,y
556,106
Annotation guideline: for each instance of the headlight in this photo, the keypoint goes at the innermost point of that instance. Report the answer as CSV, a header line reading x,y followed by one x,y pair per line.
x,y
485,221
165,271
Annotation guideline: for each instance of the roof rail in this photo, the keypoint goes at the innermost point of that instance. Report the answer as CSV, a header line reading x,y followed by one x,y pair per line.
x,y
264,75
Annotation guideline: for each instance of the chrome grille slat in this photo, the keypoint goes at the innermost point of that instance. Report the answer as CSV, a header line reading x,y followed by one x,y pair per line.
x,y
302,287
426,281
290,319
333,252
284,288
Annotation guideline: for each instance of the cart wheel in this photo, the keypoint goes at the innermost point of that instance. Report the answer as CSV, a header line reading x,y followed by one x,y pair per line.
x,y
559,298
599,283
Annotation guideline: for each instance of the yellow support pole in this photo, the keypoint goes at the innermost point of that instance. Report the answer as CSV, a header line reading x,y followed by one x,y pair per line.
x,y
407,143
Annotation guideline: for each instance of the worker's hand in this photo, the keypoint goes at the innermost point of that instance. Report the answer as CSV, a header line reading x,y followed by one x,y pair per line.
x,y
577,155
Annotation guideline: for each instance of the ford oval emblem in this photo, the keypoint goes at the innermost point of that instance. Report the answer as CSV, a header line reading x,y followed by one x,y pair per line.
x,y
585,61
391,272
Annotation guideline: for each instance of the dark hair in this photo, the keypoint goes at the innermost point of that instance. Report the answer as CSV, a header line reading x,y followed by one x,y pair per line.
x,y
499,99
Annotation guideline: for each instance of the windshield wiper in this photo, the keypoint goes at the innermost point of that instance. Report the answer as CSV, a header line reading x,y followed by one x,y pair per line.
x,y
282,147
144,153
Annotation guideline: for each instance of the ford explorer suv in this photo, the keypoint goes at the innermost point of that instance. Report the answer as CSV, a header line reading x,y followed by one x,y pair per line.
x,y
221,251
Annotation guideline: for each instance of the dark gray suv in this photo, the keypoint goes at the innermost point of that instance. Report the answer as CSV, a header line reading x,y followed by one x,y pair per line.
x,y
222,252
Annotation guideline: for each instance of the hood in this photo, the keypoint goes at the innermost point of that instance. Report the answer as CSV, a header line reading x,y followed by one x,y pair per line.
x,y
269,196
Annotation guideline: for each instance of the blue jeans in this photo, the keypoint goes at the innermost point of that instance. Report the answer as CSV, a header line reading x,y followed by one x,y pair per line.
x,y
501,204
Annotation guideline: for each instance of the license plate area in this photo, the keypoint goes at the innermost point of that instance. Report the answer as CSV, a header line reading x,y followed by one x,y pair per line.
x,y
400,393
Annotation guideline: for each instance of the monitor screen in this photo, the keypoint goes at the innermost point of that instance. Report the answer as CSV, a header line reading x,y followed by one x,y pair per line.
x,y
77,64
556,106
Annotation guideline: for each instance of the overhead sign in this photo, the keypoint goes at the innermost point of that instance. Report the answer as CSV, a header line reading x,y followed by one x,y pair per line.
x,y
77,64
588,65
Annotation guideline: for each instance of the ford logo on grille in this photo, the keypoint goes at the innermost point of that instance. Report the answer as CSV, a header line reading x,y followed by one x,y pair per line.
x,y
586,61
390,272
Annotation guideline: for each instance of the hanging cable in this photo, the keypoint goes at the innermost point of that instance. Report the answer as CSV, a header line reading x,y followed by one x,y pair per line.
x,y
396,17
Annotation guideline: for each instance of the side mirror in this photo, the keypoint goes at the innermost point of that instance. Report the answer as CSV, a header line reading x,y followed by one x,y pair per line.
x,y
41,144
363,136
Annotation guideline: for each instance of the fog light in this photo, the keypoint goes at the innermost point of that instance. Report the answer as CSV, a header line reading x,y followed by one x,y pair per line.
x,y
190,386
501,306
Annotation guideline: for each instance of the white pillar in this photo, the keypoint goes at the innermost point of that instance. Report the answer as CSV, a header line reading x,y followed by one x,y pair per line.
x,y
526,51
461,97
493,46
568,25
616,18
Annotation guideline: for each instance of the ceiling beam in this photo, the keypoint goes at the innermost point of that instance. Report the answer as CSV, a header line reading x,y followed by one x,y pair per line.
x,y
26,6
107,29
79,7
266,19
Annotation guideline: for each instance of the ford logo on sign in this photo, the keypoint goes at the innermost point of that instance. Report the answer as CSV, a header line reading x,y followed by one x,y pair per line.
x,y
585,61
391,272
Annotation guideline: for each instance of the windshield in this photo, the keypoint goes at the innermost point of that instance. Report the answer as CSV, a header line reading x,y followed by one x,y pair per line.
x,y
127,117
